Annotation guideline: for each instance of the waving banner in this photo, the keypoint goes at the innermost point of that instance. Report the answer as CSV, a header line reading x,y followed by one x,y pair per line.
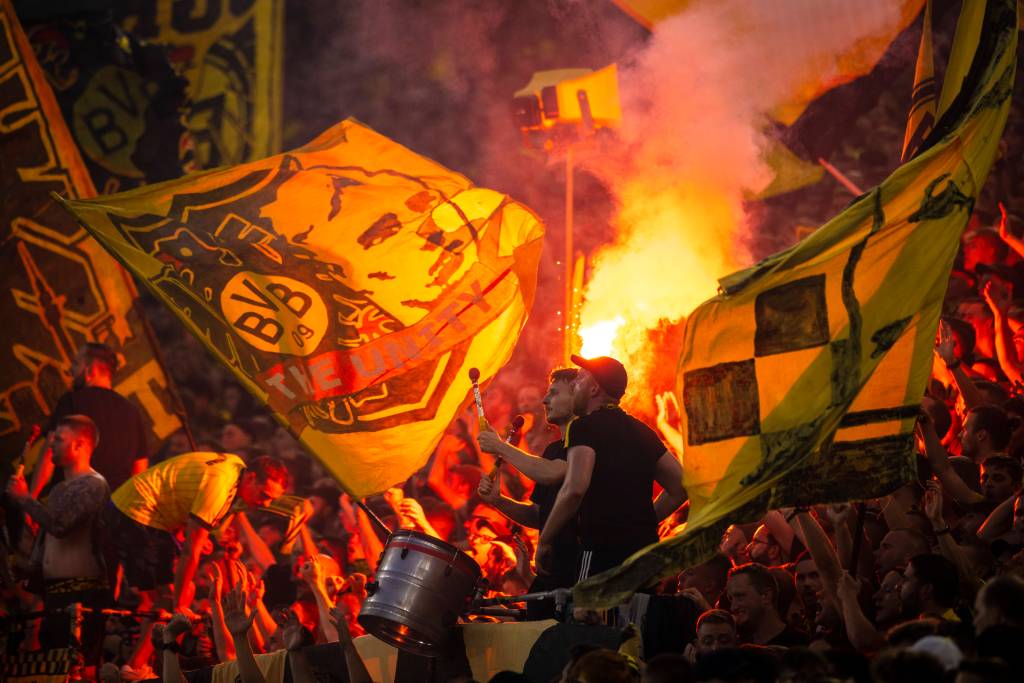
x,y
801,381
231,53
349,284
60,288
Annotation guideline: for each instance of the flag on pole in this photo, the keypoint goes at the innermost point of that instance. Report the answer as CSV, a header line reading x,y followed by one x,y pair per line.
x,y
349,284
801,380
60,288
921,116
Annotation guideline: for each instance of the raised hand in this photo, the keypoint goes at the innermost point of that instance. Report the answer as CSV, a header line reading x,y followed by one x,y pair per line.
x,y
998,295
235,617
945,345
489,490
932,503
313,574
489,442
178,624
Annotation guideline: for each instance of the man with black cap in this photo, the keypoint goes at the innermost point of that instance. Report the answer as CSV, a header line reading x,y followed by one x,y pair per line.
x,y
613,461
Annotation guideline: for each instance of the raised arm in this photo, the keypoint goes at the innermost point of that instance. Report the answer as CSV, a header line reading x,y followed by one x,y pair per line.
x,y
526,514
540,470
945,349
939,461
998,296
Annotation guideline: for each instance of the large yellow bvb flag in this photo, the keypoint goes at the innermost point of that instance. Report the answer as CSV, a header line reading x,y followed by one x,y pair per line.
x,y
801,380
350,284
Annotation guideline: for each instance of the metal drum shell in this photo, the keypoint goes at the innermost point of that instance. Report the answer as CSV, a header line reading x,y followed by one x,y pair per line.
x,y
423,586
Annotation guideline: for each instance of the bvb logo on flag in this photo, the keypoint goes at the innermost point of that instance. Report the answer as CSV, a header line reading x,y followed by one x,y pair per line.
x,y
275,313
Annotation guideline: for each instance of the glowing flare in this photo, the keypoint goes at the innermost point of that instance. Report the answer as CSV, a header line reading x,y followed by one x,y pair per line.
x,y
599,338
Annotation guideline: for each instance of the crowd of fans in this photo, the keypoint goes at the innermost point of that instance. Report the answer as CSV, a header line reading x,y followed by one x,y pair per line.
x,y
932,590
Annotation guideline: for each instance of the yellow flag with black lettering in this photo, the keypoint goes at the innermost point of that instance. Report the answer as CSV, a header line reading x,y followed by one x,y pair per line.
x,y
350,284
801,380
61,288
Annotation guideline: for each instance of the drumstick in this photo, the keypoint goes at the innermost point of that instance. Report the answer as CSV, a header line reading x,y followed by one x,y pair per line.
x,y
517,423
36,431
474,377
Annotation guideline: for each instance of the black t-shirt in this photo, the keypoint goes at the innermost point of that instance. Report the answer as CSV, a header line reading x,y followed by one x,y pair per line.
x,y
122,431
565,546
617,510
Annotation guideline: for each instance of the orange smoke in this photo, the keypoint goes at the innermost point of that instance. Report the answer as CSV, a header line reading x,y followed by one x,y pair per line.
x,y
695,103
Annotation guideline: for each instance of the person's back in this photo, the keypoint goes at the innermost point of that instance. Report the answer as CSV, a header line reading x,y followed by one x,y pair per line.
x,y
197,485
618,508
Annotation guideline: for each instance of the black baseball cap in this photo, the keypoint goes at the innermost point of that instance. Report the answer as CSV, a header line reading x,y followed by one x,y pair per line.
x,y
608,373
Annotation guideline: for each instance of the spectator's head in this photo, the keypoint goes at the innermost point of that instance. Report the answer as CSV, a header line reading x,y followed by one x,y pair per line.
x,y
603,666
708,578
234,436
888,605
558,401
667,668
930,585
906,666
986,431
600,381
716,630
753,595
734,543
528,399
896,549
808,580
764,549
1000,477
992,393
983,246
983,671
263,481
73,441
94,366
741,665
1000,602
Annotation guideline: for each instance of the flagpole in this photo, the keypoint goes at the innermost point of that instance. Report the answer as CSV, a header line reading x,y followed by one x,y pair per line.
x,y
567,308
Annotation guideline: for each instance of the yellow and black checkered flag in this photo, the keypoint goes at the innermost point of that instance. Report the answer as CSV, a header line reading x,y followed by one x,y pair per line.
x,y
801,380
921,116
349,284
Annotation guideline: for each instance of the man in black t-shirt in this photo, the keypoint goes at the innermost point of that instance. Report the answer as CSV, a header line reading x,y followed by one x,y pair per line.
x,y
122,449
547,471
613,461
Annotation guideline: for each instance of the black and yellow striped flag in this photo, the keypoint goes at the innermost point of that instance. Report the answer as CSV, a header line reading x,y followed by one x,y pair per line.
x,y
801,381
921,116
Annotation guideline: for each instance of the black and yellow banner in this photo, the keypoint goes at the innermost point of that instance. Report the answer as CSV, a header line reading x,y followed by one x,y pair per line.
x,y
60,288
231,53
350,284
120,97
801,381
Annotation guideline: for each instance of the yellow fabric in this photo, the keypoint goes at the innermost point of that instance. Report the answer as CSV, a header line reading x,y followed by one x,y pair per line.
x,y
921,117
801,381
200,485
271,664
490,648
856,61
350,284
61,288
231,53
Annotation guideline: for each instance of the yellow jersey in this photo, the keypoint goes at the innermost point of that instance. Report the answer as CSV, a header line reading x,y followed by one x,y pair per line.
x,y
197,485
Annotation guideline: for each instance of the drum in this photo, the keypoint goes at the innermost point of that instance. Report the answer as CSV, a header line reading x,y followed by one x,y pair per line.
x,y
422,586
